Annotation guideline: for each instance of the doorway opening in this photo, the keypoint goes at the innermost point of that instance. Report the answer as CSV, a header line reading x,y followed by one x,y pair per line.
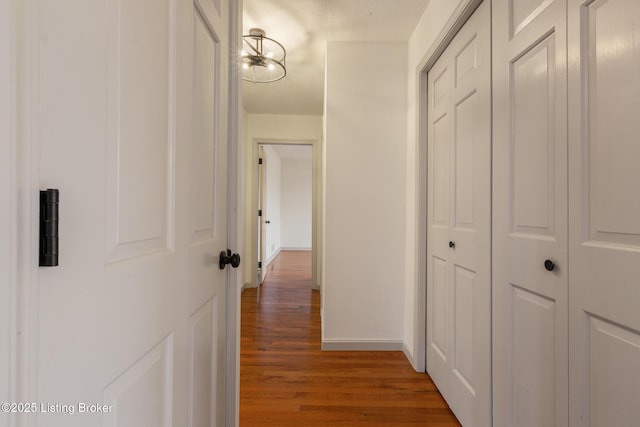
x,y
286,203
285,207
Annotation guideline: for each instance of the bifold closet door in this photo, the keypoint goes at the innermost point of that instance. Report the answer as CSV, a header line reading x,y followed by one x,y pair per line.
x,y
530,271
459,234
604,212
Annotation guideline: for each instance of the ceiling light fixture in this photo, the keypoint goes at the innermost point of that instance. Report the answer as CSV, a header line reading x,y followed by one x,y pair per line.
x,y
263,58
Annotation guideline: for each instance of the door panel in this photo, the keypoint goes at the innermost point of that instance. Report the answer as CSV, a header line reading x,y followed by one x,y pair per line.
x,y
464,285
533,203
613,373
534,349
440,311
464,158
131,99
203,369
613,30
441,171
204,143
458,282
466,62
140,143
530,329
147,382
604,212
524,12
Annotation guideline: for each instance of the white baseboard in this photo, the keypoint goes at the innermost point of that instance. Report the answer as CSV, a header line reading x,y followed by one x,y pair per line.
x,y
247,286
362,345
291,248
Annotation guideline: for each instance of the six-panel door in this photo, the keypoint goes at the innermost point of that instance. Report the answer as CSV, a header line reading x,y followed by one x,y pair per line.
x,y
604,212
130,122
459,209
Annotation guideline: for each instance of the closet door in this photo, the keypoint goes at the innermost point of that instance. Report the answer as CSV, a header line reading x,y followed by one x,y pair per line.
x,y
604,48
530,270
459,208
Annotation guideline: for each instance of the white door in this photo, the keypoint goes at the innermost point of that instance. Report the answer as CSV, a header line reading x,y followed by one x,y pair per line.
x,y
129,121
529,213
459,234
604,212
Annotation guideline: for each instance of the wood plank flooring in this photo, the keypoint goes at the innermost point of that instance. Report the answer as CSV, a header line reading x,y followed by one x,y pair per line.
x,y
287,380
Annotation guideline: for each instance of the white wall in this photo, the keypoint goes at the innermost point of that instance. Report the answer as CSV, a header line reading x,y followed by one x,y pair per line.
x,y
242,207
249,254
296,205
273,201
428,30
366,127
283,127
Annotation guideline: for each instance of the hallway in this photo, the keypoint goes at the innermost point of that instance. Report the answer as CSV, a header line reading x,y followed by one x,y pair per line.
x,y
285,378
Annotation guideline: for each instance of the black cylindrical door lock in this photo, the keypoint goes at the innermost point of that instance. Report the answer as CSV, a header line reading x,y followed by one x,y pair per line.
x,y
49,201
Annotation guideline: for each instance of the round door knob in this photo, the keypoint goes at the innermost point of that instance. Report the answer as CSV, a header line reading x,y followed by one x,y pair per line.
x,y
235,260
228,258
452,245
549,265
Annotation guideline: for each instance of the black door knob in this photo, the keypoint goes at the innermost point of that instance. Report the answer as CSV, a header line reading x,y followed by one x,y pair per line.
x,y
549,265
452,244
228,258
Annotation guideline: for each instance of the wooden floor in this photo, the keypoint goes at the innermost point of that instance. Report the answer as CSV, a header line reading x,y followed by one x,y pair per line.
x,y
287,380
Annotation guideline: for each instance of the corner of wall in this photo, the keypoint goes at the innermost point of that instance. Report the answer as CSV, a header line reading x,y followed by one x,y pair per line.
x,y
410,355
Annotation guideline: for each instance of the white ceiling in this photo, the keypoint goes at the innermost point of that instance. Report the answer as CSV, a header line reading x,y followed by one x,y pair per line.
x,y
304,27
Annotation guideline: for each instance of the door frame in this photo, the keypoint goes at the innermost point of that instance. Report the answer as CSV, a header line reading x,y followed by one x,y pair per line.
x,y
456,21
235,215
261,211
316,212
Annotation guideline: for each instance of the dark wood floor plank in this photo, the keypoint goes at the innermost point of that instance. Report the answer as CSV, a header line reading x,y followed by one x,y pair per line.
x,y
287,380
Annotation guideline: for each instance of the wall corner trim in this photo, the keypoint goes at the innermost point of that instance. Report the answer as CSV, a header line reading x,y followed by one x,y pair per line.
x,y
411,357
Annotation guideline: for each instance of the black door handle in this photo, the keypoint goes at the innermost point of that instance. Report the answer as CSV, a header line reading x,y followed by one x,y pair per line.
x,y
549,265
452,245
228,258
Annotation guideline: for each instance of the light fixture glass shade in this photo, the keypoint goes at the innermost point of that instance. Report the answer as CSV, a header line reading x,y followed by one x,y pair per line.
x,y
263,58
